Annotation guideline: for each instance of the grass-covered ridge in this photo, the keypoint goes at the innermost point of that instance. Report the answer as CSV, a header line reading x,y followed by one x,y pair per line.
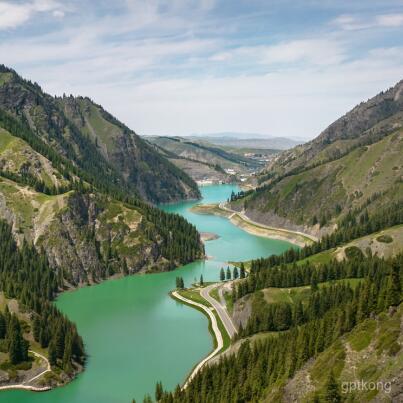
x,y
91,140
354,165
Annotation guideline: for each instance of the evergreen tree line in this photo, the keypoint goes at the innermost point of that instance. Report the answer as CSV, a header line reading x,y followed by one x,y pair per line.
x,y
349,228
25,274
11,338
285,276
282,316
27,179
177,239
247,375
180,283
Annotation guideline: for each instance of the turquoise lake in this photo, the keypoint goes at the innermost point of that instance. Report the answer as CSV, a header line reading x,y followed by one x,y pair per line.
x,y
134,333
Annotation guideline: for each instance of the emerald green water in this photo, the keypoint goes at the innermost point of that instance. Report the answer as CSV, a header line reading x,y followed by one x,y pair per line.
x,y
134,333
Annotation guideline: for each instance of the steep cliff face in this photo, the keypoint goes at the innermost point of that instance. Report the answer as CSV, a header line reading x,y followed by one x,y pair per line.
x,y
86,237
95,141
98,237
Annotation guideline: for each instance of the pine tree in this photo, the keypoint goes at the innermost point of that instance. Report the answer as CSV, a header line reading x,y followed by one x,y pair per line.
x,y
3,326
222,274
201,280
158,391
228,273
125,270
314,282
17,346
332,392
393,297
180,283
36,328
235,273
299,314
67,353
242,273
60,336
52,353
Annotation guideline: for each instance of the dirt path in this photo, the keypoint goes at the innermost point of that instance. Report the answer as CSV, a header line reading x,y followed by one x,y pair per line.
x,y
29,387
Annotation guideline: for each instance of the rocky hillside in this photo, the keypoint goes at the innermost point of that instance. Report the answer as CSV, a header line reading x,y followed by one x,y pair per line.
x,y
356,164
94,141
366,365
70,180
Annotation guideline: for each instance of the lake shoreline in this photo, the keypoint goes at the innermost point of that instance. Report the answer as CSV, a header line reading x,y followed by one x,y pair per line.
x,y
239,220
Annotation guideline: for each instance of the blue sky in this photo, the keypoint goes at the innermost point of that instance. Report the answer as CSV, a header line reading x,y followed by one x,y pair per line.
x,y
277,67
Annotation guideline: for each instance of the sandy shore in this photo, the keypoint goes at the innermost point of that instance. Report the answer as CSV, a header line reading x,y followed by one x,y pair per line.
x,y
254,228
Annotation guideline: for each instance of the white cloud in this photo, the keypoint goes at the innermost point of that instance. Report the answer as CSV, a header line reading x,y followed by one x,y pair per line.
x,y
13,15
314,51
299,103
162,67
58,14
390,20
310,51
352,22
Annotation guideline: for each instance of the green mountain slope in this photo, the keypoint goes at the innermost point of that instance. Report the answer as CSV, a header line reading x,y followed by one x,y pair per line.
x,y
94,140
366,364
355,164
201,159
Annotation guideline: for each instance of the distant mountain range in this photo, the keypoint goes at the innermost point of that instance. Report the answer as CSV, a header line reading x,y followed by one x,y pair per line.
x,y
244,140
203,160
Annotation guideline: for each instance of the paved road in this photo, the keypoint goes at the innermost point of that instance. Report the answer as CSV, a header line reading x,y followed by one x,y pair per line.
x,y
242,215
220,309
216,330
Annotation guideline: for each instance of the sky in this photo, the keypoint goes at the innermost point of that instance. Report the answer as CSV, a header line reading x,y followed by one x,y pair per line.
x,y
178,67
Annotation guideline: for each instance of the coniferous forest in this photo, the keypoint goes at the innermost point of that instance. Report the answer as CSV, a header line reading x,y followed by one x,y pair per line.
x,y
25,275
304,330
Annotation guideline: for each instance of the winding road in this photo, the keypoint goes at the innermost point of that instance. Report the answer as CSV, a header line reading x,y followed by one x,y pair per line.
x,y
220,308
216,330
244,217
